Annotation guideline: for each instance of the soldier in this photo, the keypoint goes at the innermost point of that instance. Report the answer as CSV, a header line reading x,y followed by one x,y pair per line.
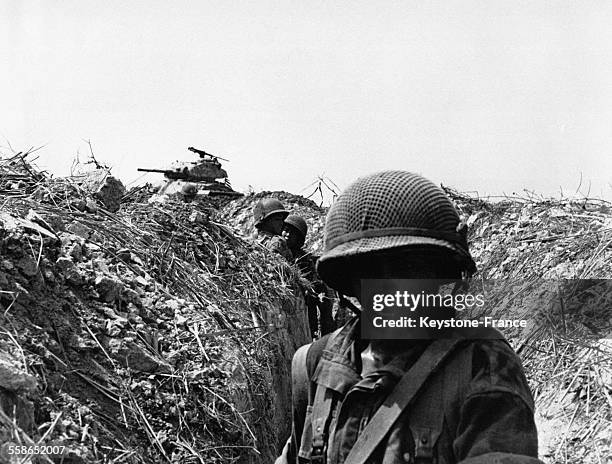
x,y
318,296
294,231
268,215
189,192
358,401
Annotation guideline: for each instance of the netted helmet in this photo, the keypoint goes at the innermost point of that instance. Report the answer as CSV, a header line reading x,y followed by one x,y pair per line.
x,y
298,223
385,211
267,207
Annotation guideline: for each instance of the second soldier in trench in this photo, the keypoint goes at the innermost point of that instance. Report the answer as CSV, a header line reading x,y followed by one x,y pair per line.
x,y
318,296
269,215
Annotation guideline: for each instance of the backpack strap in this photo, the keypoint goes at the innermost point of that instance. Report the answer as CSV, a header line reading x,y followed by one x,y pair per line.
x,y
455,381
426,419
299,401
321,410
321,417
401,396
440,401
303,365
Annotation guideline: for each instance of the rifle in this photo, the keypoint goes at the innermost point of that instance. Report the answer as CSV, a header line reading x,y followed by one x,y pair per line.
x,y
203,154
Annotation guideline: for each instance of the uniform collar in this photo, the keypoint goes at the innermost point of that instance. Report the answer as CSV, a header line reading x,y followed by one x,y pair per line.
x,y
340,363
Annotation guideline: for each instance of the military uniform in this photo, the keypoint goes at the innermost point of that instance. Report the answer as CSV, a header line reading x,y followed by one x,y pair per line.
x,y
274,243
457,400
489,420
316,305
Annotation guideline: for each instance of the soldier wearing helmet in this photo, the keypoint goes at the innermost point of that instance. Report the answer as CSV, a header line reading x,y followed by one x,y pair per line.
x,y
294,232
317,297
368,401
269,215
189,192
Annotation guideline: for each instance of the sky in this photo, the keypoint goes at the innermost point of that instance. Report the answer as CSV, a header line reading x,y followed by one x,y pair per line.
x,y
487,97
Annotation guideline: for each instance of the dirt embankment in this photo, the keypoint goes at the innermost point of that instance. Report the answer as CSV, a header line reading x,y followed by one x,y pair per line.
x,y
160,333
152,334
553,259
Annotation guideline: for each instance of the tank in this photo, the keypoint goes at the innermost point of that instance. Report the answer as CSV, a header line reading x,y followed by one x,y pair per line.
x,y
206,173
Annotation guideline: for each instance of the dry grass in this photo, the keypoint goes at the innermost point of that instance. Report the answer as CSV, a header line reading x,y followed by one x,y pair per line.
x,y
551,260
211,405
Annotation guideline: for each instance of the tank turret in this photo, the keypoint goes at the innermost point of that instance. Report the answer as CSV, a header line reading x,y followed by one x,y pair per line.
x,y
207,173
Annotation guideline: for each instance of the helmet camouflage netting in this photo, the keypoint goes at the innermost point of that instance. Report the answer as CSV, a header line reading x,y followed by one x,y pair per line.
x,y
388,210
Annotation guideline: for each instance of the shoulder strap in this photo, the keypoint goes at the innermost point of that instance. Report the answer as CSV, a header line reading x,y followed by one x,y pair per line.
x,y
426,419
441,399
455,381
322,406
403,393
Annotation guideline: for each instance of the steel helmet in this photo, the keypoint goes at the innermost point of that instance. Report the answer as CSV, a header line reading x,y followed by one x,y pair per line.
x,y
189,190
267,207
299,223
387,210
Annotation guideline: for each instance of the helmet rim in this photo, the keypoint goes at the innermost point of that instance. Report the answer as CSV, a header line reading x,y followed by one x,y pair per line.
x,y
332,267
272,213
298,223
267,207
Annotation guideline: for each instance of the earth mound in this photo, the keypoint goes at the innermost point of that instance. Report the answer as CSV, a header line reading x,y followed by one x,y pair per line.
x,y
149,334
137,331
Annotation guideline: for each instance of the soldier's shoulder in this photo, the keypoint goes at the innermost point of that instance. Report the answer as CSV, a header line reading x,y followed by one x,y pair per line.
x,y
497,352
279,245
497,367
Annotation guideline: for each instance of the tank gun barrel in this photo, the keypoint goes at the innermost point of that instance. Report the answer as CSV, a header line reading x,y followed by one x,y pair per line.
x,y
169,173
161,171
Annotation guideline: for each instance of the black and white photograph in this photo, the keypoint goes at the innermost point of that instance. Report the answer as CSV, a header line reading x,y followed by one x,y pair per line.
x,y
322,232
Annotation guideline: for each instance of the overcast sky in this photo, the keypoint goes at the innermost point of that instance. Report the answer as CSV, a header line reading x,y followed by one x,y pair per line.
x,y
485,96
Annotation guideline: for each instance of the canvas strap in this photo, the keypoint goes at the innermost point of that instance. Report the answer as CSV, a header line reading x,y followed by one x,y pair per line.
x,y
321,415
401,396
